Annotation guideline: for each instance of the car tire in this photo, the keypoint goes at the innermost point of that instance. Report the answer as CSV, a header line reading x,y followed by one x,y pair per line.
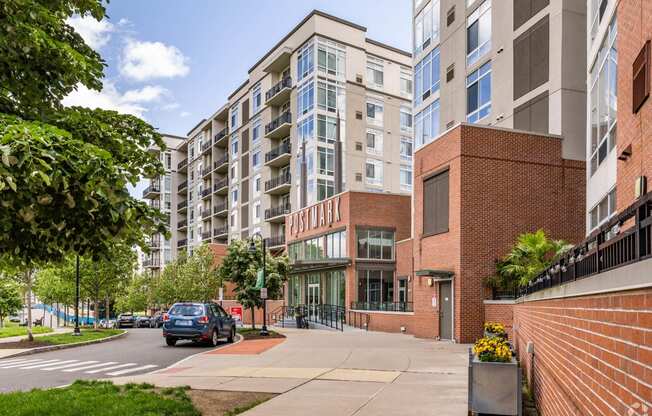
x,y
170,341
231,337
215,339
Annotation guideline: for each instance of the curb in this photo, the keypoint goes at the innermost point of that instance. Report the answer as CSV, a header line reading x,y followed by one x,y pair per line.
x,y
64,346
173,365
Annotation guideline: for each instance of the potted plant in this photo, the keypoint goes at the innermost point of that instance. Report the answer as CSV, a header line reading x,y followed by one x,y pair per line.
x,y
494,329
494,377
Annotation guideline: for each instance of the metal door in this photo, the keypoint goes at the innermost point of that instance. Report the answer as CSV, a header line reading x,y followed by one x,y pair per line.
x,y
445,310
313,301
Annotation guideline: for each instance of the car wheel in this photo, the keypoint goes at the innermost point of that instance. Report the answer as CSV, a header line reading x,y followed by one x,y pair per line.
x,y
215,339
171,341
231,337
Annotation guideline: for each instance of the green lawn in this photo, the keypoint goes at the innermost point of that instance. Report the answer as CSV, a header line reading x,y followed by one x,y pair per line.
x,y
11,329
86,335
99,398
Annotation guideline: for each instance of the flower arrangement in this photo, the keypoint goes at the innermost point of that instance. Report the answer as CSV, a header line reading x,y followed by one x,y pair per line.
x,y
494,328
492,349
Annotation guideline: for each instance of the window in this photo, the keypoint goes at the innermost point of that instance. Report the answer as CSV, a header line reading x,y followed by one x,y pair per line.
x,y
426,124
255,160
426,76
426,26
327,94
374,172
326,128
257,182
375,244
234,197
168,160
325,189
234,219
406,119
257,212
256,99
603,100
598,8
375,290
406,83
375,112
435,204
305,62
375,72
478,33
478,94
330,58
234,172
326,159
406,148
328,246
406,177
234,118
306,130
234,147
167,183
641,77
600,213
256,131
374,142
305,98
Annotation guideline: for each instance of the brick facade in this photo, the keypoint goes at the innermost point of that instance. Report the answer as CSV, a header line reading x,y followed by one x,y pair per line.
x,y
502,312
592,354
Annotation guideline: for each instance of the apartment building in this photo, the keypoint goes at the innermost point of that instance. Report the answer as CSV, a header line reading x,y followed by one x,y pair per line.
x,y
161,193
325,110
502,63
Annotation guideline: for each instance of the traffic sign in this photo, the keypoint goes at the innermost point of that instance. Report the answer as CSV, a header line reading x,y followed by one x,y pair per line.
x,y
263,293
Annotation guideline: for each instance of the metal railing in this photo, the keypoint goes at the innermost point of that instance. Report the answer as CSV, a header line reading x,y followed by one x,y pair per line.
x,y
207,145
182,204
220,135
284,83
224,159
383,306
205,235
219,207
358,319
277,181
182,185
220,231
152,188
284,148
279,121
282,209
208,169
605,249
275,241
182,243
332,316
205,213
182,164
182,223
155,203
206,192
220,184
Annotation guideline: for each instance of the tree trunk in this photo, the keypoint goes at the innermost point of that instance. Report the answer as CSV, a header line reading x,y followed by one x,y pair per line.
x,y
58,314
96,312
1,320
253,318
28,281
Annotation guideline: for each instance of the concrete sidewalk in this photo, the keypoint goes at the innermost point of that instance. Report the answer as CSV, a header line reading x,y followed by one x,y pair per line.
x,y
333,373
13,351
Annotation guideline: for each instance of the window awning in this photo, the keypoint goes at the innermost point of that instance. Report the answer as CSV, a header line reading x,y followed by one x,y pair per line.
x,y
435,274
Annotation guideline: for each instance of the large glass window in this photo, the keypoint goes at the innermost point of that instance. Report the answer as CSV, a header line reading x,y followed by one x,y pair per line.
x,y
306,130
598,8
406,83
375,72
406,119
305,98
406,177
326,159
305,62
600,213
327,93
478,93
256,99
426,26
604,94
426,76
375,290
256,131
331,58
374,172
375,244
375,142
426,124
375,112
234,118
325,189
406,148
326,128
478,33
331,246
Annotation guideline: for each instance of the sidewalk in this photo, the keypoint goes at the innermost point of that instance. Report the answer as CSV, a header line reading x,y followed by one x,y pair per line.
x,y
333,373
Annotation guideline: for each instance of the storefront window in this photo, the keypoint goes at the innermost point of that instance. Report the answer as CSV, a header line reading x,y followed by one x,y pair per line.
x,y
375,244
329,246
375,290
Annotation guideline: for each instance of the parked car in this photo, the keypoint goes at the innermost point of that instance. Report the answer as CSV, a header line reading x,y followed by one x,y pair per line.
x,y
126,319
156,321
108,323
142,322
199,322
14,318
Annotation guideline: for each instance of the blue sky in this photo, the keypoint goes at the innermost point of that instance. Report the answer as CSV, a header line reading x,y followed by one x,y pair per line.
x,y
175,62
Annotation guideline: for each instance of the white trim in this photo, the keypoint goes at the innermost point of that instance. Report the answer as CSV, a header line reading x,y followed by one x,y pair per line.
x,y
382,312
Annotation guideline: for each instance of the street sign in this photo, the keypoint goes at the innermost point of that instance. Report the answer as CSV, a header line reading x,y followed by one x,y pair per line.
x,y
263,293
236,313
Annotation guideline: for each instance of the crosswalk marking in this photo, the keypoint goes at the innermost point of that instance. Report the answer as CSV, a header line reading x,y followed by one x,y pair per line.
x,y
13,360
59,367
130,370
44,364
86,367
110,368
19,364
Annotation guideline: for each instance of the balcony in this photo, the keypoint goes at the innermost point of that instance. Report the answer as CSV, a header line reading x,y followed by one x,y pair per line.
x,y
206,213
275,242
221,231
221,187
280,155
206,235
154,243
182,206
219,138
183,164
221,165
151,263
277,214
155,203
206,171
182,224
182,243
279,184
280,93
206,146
183,186
205,193
279,127
221,210
152,190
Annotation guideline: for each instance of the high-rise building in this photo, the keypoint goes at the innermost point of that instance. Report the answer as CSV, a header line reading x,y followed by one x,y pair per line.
x,y
325,110
502,63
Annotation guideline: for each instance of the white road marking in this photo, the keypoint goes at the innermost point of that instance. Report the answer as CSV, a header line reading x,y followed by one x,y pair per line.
x,y
19,364
131,370
70,370
59,367
110,368
13,360
46,363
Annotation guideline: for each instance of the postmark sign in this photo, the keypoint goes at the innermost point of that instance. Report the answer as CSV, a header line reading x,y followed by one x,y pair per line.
x,y
325,213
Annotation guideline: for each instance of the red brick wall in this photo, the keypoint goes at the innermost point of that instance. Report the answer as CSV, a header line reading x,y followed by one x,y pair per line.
x,y
592,354
391,322
272,305
634,29
499,311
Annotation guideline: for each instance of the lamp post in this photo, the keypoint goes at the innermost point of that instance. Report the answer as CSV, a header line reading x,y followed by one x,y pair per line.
x,y
252,249
76,331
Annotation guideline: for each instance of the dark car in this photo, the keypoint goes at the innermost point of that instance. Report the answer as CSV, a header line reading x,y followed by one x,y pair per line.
x,y
126,319
142,322
198,322
156,321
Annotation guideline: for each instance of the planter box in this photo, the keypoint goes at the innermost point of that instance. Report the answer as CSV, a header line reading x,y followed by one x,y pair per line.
x,y
494,388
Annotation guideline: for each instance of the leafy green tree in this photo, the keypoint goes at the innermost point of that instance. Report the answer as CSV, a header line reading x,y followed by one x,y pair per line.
x,y
531,255
10,300
52,288
137,295
240,267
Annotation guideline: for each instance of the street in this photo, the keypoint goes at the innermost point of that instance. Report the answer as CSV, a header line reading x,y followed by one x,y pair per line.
x,y
139,352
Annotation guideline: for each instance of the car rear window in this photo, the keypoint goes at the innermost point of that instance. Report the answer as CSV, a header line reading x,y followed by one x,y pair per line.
x,y
187,310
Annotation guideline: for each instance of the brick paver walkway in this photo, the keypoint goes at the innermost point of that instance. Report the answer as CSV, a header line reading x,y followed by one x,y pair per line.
x,y
250,347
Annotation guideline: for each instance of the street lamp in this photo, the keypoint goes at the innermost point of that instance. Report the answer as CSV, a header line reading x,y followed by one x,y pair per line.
x,y
76,331
252,249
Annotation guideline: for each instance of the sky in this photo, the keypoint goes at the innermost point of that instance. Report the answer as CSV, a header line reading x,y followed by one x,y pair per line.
x,y
175,62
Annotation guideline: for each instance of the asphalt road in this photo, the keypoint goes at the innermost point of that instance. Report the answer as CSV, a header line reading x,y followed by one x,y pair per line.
x,y
140,351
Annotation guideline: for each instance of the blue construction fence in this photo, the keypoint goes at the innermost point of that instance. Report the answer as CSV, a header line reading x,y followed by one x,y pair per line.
x,y
83,320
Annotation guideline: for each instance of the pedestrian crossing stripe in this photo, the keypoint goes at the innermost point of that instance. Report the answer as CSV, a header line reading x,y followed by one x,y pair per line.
x,y
110,368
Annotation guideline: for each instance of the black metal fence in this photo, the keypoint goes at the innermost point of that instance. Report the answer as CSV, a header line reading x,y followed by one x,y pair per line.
x,y
358,319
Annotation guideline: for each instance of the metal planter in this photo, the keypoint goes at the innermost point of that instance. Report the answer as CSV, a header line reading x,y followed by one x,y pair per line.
x,y
494,388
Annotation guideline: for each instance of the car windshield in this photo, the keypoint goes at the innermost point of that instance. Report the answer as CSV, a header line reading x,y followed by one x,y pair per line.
x,y
187,310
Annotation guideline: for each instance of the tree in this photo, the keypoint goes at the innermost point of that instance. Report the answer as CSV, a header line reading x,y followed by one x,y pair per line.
x,y
240,267
531,255
52,287
137,294
10,300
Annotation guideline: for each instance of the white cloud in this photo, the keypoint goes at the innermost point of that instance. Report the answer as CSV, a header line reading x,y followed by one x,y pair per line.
x,y
124,22
148,60
184,114
170,106
95,34
111,99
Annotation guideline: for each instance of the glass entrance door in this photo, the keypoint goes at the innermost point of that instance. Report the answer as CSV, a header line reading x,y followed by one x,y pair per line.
x,y
313,301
